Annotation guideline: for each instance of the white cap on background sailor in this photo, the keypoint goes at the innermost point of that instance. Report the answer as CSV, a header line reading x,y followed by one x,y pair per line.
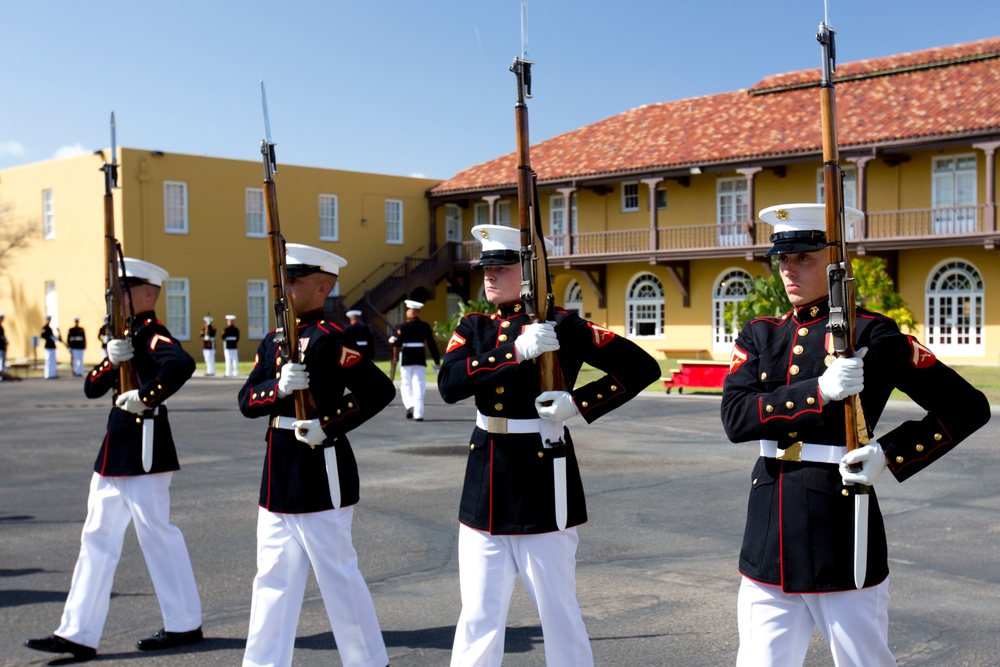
x,y
302,260
413,305
351,314
230,317
801,227
501,245
140,272
208,319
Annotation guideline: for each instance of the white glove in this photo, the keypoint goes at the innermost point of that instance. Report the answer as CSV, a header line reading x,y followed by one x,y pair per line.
x,y
309,431
119,350
536,339
557,406
845,377
129,401
872,460
437,368
294,377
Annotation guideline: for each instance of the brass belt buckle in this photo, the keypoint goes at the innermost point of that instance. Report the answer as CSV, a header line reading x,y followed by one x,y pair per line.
x,y
496,425
793,453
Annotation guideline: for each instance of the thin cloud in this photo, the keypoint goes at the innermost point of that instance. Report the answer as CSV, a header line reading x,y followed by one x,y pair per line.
x,y
12,148
418,174
70,151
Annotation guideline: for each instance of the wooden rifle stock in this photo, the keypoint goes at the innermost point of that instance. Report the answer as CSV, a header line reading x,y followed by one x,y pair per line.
x,y
115,321
287,330
536,288
842,323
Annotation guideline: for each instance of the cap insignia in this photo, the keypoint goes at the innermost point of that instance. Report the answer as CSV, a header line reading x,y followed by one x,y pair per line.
x,y
781,214
485,234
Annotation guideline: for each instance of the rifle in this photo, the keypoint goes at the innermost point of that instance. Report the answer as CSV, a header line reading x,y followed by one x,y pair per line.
x,y
536,286
286,334
841,324
114,272
392,363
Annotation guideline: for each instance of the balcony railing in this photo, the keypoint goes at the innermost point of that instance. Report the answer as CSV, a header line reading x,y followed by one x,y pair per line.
x,y
974,223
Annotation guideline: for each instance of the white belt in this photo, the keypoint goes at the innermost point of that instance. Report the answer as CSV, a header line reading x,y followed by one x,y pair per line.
x,y
360,342
802,451
155,412
502,425
283,423
412,345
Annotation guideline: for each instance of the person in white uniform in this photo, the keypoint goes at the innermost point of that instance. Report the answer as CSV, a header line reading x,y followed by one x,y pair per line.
x,y
310,481
412,337
132,484
208,344
51,370
76,341
230,344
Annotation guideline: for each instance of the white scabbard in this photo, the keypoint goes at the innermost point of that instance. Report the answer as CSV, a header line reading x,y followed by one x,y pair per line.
x,y
333,475
860,537
552,439
148,427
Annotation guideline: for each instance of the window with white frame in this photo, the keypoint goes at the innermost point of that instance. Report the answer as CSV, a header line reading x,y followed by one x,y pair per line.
x,y
850,192
257,320
955,297
557,222
503,213
256,226
661,199
328,229
175,208
178,300
52,304
630,197
732,209
48,214
481,214
394,221
730,289
953,194
452,223
574,297
644,307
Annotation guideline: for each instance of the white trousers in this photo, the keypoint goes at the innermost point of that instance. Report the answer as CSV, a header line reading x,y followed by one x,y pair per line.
x,y
286,545
488,568
209,362
413,386
3,360
775,627
232,362
77,361
112,504
50,364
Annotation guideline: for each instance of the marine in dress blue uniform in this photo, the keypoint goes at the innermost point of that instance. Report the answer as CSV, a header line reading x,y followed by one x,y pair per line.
x,y
786,389
231,347
121,491
76,341
49,336
3,346
310,482
359,335
207,336
507,511
413,337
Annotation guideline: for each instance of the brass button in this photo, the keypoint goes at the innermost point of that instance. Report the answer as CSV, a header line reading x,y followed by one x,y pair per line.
x,y
498,406
472,445
769,408
492,359
541,454
502,337
789,405
350,405
493,316
326,419
584,404
505,324
338,411
810,400
919,448
138,420
794,370
278,374
755,480
845,492
475,363
600,396
510,355
937,437
159,386
797,349
763,376
271,393
803,331
614,387
278,362
793,434
899,459
499,390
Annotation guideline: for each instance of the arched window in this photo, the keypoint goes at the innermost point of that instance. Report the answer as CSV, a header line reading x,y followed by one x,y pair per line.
x,y
644,307
955,296
731,288
574,297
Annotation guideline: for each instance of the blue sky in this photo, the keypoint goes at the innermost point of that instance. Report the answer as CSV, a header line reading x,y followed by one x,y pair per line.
x,y
409,87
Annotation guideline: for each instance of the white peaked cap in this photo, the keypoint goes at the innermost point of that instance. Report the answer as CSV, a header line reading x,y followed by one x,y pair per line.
x,y
301,258
353,313
145,271
415,305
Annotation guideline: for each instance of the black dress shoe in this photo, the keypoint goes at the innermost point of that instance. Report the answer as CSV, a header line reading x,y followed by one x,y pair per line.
x,y
162,639
409,413
54,644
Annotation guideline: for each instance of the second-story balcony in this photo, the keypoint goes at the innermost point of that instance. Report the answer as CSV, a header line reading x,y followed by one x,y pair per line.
x,y
880,231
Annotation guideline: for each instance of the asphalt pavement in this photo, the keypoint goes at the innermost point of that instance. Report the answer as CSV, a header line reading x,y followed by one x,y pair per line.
x,y
657,578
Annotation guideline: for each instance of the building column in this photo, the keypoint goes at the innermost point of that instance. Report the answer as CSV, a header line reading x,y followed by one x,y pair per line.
x,y
567,194
991,196
861,165
654,223
750,174
491,202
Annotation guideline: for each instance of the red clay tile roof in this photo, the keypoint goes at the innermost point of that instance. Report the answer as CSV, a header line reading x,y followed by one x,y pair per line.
x,y
940,92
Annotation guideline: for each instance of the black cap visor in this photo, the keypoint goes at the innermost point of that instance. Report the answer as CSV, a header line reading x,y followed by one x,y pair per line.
x,y
790,243
497,258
